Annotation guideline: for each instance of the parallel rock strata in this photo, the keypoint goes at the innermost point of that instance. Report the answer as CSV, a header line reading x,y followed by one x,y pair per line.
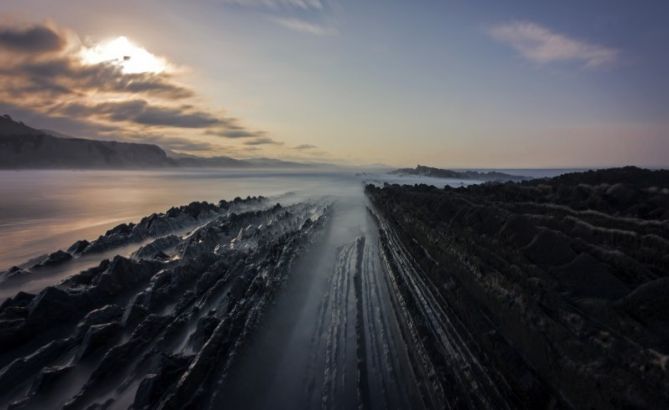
x,y
561,282
159,329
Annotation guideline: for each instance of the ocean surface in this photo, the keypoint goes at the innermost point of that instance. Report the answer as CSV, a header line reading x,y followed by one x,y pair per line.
x,y
45,210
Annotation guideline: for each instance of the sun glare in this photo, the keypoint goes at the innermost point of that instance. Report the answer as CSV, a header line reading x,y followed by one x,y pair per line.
x,y
121,51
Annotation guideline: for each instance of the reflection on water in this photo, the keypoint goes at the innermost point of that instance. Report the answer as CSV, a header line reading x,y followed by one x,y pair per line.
x,y
42,211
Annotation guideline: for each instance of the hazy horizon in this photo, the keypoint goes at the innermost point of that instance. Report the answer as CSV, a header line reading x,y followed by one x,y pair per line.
x,y
449,84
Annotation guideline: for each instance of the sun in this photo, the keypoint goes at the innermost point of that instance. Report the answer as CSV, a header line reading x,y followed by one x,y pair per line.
x,y
130,57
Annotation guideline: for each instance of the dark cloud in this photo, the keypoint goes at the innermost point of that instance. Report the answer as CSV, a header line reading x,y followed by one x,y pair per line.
x,y
175,117
304,147
72,126
235,132
44,78
174,143
35,39
69,76
262,141
141,112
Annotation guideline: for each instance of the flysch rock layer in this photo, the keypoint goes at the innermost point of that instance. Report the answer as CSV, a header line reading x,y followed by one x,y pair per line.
x,y
563,284
160,328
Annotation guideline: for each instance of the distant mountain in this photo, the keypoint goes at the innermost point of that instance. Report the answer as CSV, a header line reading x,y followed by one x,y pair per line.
x,y
23,147
279,163
229,162
192,161
422,170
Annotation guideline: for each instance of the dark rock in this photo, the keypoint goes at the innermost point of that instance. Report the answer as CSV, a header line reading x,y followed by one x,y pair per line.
x,y
622,194
98,336
22,368
157,248
54,259
104,314
205,327
78,247
235,262
650,302
586,277
49,378
21,299
549,248
575,280
52,304
155,385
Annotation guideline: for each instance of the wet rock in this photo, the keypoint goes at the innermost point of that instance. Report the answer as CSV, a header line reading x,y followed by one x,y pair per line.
x,y
54,259
589,278
104,314
12,331
49,378
649,303
623,194
21,299
574,279
14,272
22,368
205,327
136,314
52,304
123,274
131,319
157,248
98,336
162,224
156,385
549,248
78,247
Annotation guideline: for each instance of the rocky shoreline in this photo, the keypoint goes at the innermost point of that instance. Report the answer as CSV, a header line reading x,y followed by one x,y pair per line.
x,y
150,331
561,282
548,293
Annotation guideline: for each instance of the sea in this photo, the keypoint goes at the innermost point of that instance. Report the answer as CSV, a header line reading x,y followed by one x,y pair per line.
x,y
42,211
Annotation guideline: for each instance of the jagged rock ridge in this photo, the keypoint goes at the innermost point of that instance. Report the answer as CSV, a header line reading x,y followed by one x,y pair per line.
x,y
153,330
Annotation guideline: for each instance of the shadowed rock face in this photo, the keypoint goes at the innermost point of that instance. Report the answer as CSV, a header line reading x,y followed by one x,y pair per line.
x,y
158,329
563,281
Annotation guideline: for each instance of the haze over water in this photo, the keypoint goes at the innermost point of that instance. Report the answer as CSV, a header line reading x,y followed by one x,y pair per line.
x,y
41,211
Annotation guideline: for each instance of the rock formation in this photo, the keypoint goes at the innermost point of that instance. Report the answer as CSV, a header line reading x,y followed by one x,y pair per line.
x,y
152,330
561,283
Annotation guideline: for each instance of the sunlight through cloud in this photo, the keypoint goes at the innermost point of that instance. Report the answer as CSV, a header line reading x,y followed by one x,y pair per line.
x,y
122,52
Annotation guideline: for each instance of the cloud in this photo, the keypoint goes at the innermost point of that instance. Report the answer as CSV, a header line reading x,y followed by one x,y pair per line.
x,y
174,143
276,4
303,16
235,132
303,147
304,26
38,38
141,112
44,79
541,45
262,141
68,75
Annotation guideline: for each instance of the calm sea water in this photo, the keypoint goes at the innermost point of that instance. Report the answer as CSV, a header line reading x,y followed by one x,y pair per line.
x,y
42,211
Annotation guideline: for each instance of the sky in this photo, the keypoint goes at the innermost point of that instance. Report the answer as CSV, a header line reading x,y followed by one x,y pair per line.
x,y
462,84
